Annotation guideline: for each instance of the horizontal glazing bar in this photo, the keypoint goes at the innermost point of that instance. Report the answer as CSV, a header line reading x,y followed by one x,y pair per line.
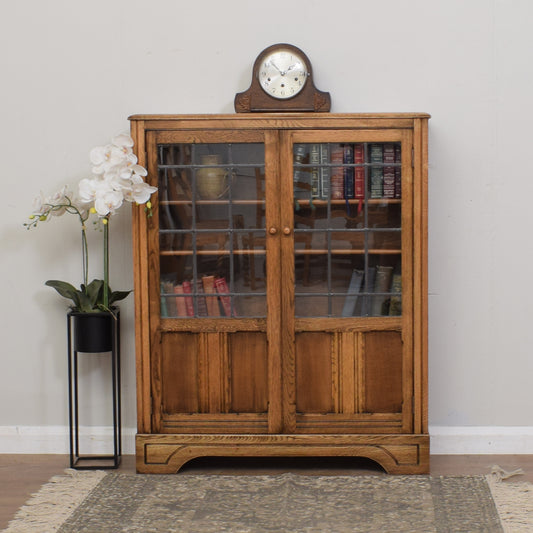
x,y
214,252
213,295
324,294
224,231
356,251
212,202
222,165
346,230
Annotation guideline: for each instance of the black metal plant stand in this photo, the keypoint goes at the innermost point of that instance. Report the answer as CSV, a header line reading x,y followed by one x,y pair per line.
x,y
93,333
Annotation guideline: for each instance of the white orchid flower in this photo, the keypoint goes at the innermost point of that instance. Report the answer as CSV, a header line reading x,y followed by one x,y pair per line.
x,y
108,203
141,192
88,189
60,197
122,140
105,158
38,207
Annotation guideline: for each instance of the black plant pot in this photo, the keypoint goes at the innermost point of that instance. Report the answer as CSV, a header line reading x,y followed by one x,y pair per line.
x,y
93,332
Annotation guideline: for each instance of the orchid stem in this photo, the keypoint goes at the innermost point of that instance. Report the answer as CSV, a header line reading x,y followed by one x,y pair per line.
x,y
84,255
106,263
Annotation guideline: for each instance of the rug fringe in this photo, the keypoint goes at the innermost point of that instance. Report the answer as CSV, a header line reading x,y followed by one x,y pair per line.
x,y
52,505
514,500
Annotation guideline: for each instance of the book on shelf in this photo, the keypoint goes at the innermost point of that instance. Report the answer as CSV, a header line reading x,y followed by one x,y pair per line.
x,y
376,172
337,175
314,159
353,291
398,171
388,153
167,288
324,171
208,284
368,288
201,303
189,304
348,172
222,289
395,308
301,176
164,309
359,171
181,307
388,171
388,182
382,285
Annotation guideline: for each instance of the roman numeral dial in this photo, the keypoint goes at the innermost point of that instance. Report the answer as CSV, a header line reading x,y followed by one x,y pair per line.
x,y
283,74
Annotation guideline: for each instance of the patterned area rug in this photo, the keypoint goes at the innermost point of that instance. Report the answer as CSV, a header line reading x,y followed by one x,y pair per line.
x,y
96,502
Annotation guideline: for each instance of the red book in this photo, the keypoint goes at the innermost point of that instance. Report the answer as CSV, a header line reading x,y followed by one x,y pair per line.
x,y
181,307
189,306
223,293
212,301
337,173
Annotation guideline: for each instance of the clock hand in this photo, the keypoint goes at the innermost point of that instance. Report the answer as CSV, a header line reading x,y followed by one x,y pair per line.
x,y
282,72
276,67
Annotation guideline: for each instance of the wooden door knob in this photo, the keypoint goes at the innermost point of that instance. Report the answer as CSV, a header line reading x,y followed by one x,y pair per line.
x,y
287,230
273,230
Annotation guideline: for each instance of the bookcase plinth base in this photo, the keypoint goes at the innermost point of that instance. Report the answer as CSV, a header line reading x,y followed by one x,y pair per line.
x,y
397,454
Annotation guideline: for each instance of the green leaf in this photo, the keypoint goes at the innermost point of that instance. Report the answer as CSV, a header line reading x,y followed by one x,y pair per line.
x,y
117,296
64,289
94,291
85,303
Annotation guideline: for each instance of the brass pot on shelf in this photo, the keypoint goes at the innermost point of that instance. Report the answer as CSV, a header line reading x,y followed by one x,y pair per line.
x,y
211,181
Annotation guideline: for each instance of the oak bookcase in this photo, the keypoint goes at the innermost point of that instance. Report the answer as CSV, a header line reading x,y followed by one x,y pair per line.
x,y
281,288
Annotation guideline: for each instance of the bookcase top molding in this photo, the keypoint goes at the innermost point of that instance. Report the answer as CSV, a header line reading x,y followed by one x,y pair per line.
x,y
280,116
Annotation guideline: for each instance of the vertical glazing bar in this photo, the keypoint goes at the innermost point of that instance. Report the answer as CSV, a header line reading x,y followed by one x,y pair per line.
x,y
366,299
193,231
329,262
231,228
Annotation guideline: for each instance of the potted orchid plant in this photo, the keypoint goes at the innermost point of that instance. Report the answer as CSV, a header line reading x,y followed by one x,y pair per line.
x,y
116,178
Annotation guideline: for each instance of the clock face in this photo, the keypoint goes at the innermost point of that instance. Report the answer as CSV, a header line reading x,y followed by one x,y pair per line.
x,y
282,74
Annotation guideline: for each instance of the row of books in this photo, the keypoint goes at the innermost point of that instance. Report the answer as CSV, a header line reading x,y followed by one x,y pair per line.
x,y
347,181
386,286
209,297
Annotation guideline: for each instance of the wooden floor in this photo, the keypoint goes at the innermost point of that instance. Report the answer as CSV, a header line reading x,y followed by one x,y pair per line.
x,y
22,475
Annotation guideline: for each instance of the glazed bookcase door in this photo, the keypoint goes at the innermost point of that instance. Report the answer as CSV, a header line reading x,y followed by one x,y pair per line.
x,y
347,276
211,327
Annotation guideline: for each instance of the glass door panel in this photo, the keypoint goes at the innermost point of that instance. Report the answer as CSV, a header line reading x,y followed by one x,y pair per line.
x,y
212,230
347,229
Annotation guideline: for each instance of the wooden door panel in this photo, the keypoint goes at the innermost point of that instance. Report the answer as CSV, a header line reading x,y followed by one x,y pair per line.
x,y
314,383
382,372
179,373
248,372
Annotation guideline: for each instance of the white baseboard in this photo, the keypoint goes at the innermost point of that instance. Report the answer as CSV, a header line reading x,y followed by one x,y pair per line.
x,y
55,439
445,440
481,440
